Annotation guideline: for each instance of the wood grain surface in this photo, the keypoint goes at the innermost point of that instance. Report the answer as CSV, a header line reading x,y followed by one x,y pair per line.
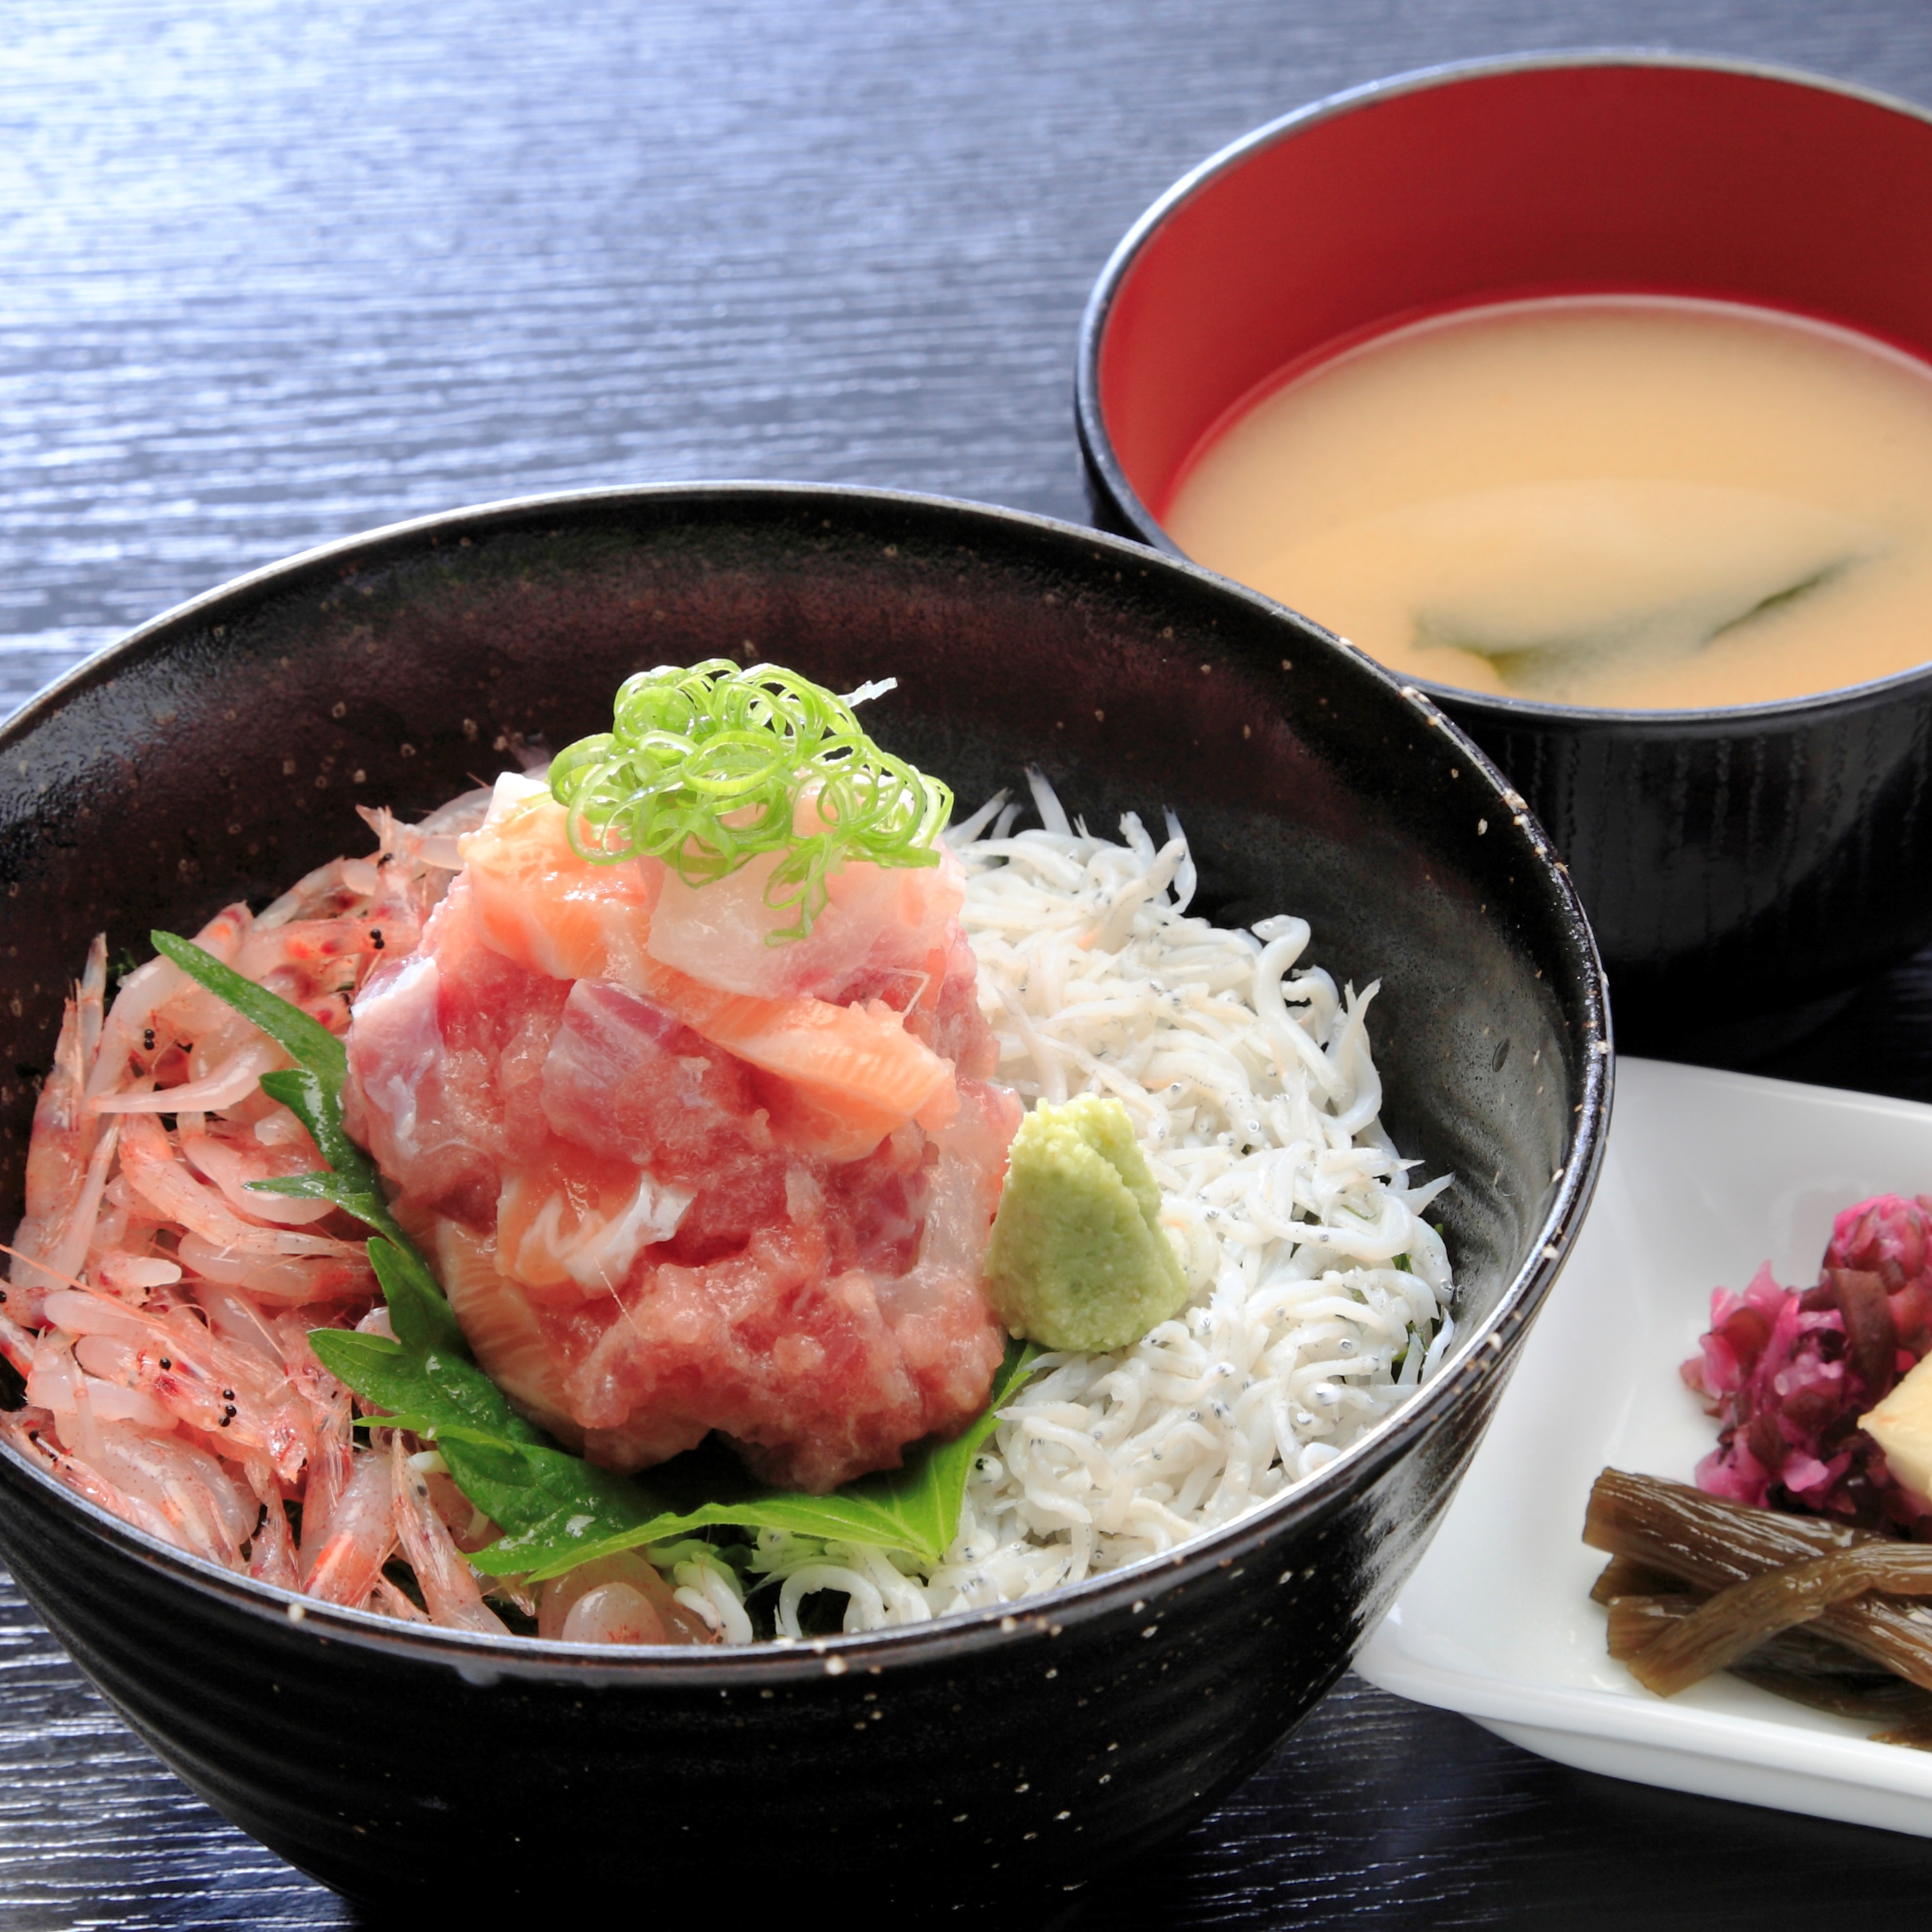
x,y
275,270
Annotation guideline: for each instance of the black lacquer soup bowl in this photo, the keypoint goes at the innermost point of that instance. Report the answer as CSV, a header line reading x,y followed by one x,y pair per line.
x,y
993,1760
1746,867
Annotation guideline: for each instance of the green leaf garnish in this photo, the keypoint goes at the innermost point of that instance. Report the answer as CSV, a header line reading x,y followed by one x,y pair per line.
x,y
704,769
556,1510
915,1509
312,1090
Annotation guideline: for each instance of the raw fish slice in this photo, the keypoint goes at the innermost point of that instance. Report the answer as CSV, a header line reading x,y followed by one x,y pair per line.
x,y
952,1025
396,1059
819,1369
799,1370
951,1341
539,903
441,1042
625,1075
623,1078
545,1096
961,1030
502,1326
877,920
578,1219
834,1126
854,1064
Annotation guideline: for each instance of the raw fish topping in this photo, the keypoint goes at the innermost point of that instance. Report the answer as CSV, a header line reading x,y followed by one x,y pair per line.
x,y
662,1204
705,1142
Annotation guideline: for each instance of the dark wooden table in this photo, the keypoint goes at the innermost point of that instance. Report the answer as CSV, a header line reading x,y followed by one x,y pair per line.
x,y
289,268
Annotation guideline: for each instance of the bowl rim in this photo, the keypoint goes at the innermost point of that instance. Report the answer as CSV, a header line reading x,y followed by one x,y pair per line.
x,y
1096,445
1476,1356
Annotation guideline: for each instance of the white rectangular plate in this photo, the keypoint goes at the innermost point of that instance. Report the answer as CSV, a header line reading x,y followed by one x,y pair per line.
x,y
1706,1176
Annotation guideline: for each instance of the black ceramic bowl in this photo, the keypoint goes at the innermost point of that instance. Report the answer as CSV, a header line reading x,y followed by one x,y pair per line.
x,y
1743,867
220,751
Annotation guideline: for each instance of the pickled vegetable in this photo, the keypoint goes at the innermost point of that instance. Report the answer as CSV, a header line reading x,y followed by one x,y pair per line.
x,y
1713,1544
1732,1624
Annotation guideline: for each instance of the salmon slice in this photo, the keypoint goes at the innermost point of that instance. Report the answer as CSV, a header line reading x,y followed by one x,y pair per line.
x,y
837,1128
582,1218
536,901
857,1063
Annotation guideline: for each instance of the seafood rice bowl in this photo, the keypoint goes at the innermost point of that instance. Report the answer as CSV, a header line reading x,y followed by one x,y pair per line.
x,y
1038,1269
693,1135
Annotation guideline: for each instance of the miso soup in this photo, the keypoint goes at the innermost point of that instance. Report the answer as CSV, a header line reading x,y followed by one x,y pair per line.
x,y
1637,503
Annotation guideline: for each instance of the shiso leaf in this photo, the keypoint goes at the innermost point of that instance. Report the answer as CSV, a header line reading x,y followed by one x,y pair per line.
x,y
915,1509
320,1184
556,1511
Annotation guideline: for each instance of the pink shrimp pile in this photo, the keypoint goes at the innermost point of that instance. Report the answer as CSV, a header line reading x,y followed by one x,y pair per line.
x,y
159,1311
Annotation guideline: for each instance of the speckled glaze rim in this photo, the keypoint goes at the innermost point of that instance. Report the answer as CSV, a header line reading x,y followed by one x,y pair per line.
x,y
1097,444
1483,1353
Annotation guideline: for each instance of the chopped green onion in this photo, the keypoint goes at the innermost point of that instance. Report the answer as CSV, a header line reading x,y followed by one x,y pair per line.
x,y
705,768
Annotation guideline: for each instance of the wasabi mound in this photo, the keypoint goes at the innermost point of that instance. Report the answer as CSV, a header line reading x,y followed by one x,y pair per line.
x,y
1078,1258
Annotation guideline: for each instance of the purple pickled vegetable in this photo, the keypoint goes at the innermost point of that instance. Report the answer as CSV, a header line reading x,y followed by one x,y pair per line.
x,y
1788,1373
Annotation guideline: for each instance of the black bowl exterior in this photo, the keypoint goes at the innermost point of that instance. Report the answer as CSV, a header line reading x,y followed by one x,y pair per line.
x,y
984,1764
1744,868
220,752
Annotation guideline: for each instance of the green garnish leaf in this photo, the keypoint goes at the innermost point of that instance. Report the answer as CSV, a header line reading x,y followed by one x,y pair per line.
x,y
915,1509
316,1101
556,1510
419,1312
359,1194
705,768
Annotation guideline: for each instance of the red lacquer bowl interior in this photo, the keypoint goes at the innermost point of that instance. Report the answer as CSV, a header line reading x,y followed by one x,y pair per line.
x,y
1623,175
